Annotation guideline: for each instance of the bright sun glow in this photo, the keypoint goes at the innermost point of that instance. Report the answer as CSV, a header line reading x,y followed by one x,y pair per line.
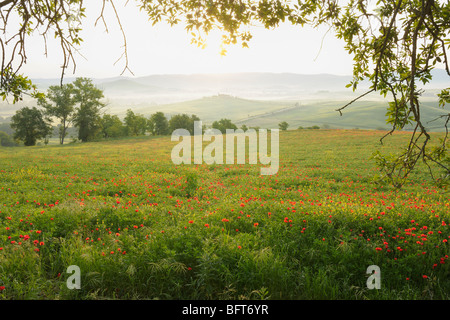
x,y
168,50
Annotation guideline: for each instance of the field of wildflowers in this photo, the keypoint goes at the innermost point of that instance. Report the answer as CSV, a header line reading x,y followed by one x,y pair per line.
x,y
140,227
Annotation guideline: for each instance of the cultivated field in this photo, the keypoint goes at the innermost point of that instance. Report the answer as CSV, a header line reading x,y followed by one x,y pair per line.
x,y
140,227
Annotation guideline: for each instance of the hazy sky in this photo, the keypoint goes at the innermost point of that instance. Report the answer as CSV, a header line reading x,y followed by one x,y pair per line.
x,y
165,50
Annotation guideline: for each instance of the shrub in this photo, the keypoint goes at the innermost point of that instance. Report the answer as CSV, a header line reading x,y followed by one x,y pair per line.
x,y
6,140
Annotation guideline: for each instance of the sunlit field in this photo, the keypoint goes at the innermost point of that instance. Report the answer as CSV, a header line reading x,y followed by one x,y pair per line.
x,y
140,227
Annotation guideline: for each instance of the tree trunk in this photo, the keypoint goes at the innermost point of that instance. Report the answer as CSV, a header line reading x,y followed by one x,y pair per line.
x,y
63,132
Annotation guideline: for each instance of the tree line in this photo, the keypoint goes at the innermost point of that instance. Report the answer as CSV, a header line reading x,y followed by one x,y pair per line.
x,y
79,105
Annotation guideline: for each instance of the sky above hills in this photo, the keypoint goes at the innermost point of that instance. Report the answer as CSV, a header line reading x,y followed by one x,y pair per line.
x,y
165,50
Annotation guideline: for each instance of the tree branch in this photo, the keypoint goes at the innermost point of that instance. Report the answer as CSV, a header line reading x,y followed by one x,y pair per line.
x,y
6,2
125,52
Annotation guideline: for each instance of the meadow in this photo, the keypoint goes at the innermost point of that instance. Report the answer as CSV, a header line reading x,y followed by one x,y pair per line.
x,y
140,227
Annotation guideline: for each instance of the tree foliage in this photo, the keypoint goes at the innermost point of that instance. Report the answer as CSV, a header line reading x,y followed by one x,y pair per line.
x,y
78,103
223,125
87,116
30,125
6,140
158,124
59,19
59,102
135,124
183,121
112,126
395,46
283,125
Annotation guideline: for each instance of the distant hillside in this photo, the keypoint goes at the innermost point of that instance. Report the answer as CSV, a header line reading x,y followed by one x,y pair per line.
x,y
251,82
126,86
179,87
362,115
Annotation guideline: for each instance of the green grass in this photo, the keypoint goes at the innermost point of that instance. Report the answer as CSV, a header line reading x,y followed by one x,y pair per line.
x,y
140,227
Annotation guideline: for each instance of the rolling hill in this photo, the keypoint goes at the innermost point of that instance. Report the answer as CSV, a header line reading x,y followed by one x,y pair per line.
x,y
362,115
256,99
220,106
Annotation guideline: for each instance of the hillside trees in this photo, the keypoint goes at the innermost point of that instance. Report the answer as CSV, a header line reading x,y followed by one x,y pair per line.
x,y
112,126
87,116
158,124
78,103
244,127
135,124
6,140
183,121
223,125
395,46
283,125
30,125
5,126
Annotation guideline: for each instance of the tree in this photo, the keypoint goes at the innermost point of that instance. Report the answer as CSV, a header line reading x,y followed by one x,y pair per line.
x,y
158,124
112,126
395,45
223,125
183,121
283,125
6,127
30,125
6,140
60,103
59,19
135,124
87,116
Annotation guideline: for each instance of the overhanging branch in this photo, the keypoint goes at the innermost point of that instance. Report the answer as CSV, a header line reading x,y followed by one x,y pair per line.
x,y
354,100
